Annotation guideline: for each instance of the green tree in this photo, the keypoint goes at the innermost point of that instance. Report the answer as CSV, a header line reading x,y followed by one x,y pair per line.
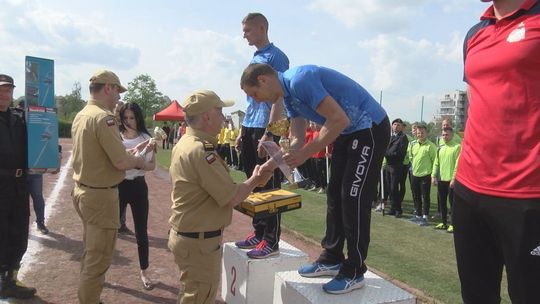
x,y
69,105
143,91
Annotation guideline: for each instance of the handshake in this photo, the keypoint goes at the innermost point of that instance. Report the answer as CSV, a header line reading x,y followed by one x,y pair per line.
x,y
263,173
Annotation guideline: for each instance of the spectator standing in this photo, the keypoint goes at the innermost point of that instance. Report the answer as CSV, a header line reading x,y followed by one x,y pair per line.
x,y
167,130
319,160
422,155
14,200
395,154
444,174
496,214
133,190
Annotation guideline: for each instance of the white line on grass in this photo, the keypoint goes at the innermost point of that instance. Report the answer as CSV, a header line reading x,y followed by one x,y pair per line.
x,y
34,246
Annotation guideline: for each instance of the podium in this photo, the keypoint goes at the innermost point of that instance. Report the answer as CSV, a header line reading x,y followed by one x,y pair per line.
x,y
245,280
290,287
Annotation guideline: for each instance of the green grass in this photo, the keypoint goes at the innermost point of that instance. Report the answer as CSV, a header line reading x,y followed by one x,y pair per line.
x,y
163,158
421,257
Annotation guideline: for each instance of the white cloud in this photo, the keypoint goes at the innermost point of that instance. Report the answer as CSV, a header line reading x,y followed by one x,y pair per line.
x,y
206,59
374,15
406,69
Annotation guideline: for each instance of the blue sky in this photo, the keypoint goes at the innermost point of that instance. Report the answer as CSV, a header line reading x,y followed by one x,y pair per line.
x,y
406,49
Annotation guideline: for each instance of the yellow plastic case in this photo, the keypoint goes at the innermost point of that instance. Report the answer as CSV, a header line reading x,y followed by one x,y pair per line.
x,y
263,204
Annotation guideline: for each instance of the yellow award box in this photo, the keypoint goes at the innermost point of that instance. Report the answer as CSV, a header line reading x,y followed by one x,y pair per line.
x,y
263,204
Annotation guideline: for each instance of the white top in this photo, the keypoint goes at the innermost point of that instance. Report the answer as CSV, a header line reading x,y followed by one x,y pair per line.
x,y
131,143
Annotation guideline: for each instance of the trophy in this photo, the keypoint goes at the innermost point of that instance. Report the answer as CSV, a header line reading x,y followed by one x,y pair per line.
x,y
280,128
159,135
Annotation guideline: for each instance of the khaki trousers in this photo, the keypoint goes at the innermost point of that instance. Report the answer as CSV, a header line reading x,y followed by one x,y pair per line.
x,y
199,262
99,212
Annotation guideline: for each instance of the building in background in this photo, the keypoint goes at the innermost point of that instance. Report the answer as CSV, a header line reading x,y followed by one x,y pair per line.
x,y
237,118
454,106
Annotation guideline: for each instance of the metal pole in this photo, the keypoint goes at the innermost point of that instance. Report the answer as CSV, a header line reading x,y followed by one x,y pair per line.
x,y
422,111
327,168
382,171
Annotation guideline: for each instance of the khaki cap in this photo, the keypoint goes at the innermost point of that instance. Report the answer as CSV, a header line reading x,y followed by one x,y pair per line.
x,y
203,100
107,77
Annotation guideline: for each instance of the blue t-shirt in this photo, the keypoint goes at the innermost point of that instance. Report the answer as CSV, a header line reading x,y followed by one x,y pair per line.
x,y
306,86
257,114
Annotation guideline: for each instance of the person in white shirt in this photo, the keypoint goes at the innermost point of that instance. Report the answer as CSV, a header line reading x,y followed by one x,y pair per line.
x,y
133,189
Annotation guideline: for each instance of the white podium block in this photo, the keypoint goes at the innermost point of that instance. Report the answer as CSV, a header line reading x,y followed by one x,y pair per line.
x,y
290,287
245,280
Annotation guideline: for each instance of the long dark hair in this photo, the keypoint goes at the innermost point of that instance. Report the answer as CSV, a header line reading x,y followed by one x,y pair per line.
x,y
141,127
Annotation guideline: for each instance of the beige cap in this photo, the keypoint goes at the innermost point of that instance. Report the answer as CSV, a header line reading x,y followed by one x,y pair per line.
x,y
203,100
107,77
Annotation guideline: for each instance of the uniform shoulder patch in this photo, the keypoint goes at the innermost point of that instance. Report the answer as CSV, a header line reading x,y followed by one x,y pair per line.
x,y
210,158
208,146
111,121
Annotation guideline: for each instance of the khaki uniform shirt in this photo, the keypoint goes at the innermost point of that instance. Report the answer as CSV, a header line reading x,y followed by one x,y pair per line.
x,y
96,146
202,186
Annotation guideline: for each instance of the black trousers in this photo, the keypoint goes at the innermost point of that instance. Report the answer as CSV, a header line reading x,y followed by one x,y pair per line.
x,y
268,228
14,222
421,189
320,172
394,174
492,232
355,170
444,194
135,193
402,181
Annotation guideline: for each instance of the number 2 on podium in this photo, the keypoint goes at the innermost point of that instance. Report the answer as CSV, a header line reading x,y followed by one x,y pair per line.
x,y
233,282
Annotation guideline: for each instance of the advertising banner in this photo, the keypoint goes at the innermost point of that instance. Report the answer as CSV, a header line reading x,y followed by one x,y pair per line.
x,y
41,118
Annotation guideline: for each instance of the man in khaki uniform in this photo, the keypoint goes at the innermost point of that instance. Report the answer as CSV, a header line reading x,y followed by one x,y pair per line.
x,y
203,196
99,163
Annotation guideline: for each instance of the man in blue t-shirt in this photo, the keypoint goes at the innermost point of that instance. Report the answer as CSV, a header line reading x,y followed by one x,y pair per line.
x,y
264,241
361,130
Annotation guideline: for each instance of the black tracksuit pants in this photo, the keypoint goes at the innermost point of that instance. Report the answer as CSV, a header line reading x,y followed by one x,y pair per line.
x,y
268,228
489,233
355,169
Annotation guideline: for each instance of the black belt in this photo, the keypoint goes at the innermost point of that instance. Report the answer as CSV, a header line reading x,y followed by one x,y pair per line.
x,y
12,172
83,185
196,235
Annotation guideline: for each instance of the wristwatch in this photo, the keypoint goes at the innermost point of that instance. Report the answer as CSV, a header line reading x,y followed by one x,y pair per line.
x,y
268,133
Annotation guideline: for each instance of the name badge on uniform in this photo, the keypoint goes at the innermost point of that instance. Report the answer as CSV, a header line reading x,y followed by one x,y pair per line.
x,y
111,122
210,158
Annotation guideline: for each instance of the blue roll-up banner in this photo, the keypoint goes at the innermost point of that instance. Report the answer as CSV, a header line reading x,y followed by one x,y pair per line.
x,y
41,115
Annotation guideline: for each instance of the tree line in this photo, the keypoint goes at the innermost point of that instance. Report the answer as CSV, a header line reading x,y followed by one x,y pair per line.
x,y
142,90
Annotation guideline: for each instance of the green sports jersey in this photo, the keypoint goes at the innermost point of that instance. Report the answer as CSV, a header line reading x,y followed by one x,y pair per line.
x,y
412,140
446,161
422,157
456,139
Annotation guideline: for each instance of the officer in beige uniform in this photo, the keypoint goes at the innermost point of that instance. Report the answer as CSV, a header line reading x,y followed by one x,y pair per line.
x,y
203,196
99,163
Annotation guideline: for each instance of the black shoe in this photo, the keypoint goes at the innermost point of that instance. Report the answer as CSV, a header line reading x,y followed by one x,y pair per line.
x,y
42,228
391,212
124,230
398,214
9,288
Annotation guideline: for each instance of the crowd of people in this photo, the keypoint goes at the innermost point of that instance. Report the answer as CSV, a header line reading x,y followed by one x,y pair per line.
x,y
425,163
490,178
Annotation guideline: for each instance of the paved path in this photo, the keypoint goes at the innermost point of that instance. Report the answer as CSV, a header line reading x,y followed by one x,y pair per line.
x,y
52,261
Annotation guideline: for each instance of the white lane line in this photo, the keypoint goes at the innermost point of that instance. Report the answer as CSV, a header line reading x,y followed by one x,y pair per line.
x,y
34,246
